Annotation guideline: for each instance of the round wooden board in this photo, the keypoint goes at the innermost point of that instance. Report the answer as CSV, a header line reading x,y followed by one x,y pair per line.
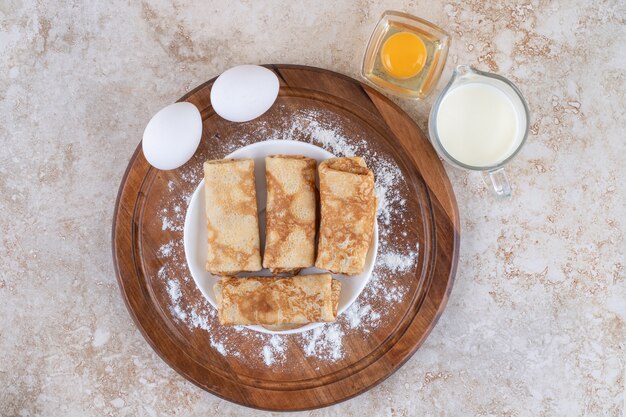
x,y
181,327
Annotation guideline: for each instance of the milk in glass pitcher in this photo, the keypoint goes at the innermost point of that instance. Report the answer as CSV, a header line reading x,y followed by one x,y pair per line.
x,y
479,122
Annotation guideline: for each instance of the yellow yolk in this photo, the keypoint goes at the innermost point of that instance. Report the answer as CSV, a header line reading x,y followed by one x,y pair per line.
x,y
403,55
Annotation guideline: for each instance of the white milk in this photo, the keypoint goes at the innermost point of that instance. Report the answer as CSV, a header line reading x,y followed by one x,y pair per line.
x,y
478,125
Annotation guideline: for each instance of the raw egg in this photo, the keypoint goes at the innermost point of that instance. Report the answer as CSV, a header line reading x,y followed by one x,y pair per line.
x,y
172,136
403,55
244,92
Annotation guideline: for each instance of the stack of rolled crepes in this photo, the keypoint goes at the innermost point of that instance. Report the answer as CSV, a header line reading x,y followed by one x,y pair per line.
x,y
348,210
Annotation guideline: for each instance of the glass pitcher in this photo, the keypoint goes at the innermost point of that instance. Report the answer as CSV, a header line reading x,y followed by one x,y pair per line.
x,y
475,110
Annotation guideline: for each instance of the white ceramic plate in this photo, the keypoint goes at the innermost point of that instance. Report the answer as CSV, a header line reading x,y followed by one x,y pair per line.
x,y
195,233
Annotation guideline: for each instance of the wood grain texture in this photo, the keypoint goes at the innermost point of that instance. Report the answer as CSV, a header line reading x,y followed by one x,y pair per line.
x,y
303,383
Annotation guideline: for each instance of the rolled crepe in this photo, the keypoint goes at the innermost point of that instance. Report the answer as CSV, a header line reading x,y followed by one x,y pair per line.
x,y
291,206
232,218
348,214
277,302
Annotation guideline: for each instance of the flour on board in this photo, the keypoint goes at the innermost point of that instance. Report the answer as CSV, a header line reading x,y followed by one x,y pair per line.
x,y
382,292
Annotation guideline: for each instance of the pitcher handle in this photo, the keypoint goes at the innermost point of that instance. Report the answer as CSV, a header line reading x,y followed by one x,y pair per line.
x,y
499,182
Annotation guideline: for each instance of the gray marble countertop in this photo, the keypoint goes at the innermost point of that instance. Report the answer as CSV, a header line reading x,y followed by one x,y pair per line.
x,y
536,322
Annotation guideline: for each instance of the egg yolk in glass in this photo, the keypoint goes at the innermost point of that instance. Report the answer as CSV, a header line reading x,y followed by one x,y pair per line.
x,y
403,55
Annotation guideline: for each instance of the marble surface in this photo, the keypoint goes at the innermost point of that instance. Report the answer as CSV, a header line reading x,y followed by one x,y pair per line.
x,y
536,323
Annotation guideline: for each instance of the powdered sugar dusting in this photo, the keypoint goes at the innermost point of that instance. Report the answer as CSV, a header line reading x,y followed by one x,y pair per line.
x,y
166,249
173,290
390,201
324,342
398,262
385,290
274,351
219,346
361,315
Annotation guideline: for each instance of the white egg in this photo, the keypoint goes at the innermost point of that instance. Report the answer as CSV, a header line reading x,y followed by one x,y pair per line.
x,y
244,92
172,135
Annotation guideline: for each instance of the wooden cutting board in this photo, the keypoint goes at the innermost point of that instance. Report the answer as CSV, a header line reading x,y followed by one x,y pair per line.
x,y
292,372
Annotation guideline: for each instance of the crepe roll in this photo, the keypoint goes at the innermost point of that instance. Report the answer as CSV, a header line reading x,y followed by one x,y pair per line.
x,y
232,218
291,213
277,302
348,213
